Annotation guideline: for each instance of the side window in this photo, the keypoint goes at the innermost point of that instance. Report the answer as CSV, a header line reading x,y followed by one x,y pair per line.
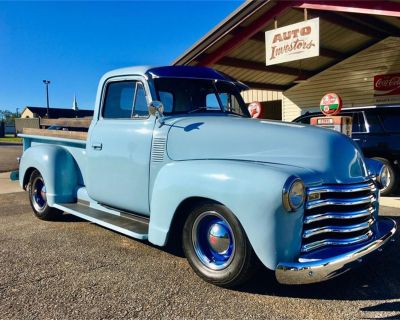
x,y
390,120
124,100
212,102
374,124
140,106
119,100
361,121
356,122
230,103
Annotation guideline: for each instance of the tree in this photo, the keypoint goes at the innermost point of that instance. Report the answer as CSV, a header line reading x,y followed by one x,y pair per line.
x,y
8,116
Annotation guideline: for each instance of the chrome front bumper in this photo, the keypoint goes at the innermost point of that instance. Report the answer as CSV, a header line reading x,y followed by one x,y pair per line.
x,y
324,267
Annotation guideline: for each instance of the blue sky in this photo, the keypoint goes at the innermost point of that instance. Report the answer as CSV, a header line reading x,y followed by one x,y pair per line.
x,y
73,43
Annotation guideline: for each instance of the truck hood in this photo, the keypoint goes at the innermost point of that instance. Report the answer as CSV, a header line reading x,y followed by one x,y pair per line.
x,y
331,155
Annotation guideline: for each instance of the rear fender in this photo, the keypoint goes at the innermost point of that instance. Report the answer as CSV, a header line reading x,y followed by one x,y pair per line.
x,y
58,169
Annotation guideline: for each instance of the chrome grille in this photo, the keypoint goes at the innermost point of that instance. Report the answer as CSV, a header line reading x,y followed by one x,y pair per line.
x,y
338,215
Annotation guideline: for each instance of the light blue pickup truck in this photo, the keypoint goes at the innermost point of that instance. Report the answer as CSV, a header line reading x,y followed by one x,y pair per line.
x,y
172,156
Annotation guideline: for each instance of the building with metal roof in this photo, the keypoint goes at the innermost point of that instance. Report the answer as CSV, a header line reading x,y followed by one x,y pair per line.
x,y
358,41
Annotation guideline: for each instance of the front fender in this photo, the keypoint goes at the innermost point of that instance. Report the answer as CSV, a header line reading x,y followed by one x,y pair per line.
x,y
58,169
252,191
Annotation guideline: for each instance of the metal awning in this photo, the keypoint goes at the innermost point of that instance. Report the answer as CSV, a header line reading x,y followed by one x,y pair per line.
x,y
237,45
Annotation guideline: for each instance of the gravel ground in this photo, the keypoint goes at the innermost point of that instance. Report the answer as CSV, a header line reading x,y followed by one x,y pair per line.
x,y
72,269
8,156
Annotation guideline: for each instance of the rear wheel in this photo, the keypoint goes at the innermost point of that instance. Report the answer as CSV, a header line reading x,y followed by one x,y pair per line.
x,y
217,247
38,198
392,178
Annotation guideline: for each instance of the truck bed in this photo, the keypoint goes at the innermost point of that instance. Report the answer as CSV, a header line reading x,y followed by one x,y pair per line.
x,y
56,133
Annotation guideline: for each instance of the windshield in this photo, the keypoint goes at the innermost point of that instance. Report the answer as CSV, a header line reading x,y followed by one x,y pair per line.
x,y
181,95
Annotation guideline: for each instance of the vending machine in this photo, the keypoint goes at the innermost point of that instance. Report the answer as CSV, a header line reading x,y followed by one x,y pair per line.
x,y
342,124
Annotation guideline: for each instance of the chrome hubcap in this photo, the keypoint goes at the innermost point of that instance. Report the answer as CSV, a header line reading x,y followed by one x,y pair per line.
x,y
39,198
218,238
213,240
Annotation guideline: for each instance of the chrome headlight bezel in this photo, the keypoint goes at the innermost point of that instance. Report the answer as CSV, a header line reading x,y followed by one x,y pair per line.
x,y
293,194
382,176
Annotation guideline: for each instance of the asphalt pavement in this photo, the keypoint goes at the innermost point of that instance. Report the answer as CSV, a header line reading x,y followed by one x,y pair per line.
x,y
72,269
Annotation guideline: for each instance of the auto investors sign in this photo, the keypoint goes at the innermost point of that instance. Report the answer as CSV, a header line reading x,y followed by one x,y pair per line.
x,y
294,42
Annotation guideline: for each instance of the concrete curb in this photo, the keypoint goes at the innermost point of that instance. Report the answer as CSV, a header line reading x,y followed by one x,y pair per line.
x,y
2,143
393,202
8,186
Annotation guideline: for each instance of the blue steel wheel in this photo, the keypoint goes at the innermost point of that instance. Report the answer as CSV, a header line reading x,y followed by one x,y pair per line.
x,y
38,197
213,240
216,245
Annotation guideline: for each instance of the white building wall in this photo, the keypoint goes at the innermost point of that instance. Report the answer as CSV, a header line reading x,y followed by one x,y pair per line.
x,y
27,113
352,79
261,95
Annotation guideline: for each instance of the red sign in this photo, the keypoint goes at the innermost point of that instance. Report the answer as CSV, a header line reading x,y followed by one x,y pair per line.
x,y
387,85
331,104
255,109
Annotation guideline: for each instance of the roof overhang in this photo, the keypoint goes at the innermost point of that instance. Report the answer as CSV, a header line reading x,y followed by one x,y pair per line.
x,y
237,45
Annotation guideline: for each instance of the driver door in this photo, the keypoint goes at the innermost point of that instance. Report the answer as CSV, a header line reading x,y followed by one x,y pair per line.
x,y
118,150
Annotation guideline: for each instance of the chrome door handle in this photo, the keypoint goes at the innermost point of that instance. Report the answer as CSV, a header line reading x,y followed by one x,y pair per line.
x,y
97,146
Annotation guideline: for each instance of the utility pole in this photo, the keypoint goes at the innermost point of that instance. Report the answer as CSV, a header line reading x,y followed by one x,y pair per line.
x,y
47,82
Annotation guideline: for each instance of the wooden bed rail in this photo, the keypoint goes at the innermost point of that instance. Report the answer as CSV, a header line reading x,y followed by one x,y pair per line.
x,y
56,133
67,122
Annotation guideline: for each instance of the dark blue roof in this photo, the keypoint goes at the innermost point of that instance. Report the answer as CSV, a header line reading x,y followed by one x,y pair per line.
x,y
60,112
188,72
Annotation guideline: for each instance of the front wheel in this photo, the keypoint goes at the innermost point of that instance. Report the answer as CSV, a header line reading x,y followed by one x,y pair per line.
x,y
392,177
38,198
217,247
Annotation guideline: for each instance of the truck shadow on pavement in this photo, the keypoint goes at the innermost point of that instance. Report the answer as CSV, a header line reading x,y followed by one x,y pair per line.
x,y
66,217
384,307
377,279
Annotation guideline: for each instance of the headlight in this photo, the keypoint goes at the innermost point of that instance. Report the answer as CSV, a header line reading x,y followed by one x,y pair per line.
x,y
383,177
293,194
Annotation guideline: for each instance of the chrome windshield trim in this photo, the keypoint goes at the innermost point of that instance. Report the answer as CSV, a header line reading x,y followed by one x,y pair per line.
x,y
336,242
340,202
342,188
338,229
339,215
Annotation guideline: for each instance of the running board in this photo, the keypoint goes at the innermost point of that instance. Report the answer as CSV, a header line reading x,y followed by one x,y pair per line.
x,y
135,227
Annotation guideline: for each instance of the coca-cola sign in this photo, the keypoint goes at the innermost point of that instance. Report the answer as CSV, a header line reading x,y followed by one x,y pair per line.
x,y
293,42
387,85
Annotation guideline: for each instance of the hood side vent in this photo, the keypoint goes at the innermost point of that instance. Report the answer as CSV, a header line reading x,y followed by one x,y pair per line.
x,y
158,150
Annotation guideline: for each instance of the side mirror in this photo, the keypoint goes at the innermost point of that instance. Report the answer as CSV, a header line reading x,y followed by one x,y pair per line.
x,y
156,108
